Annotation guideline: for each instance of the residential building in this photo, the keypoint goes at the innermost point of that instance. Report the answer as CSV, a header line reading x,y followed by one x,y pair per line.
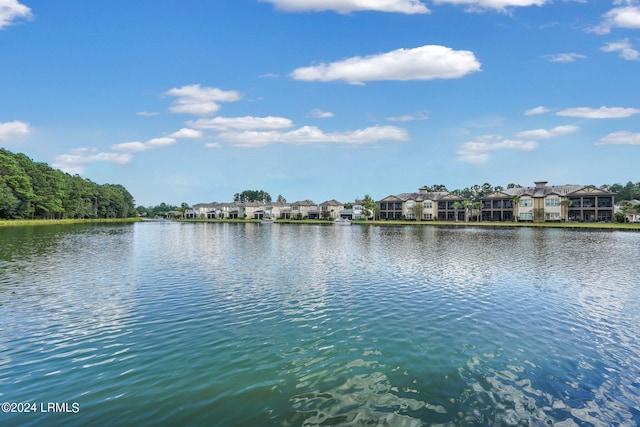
x,y
304,209
331,209
424,205
549,203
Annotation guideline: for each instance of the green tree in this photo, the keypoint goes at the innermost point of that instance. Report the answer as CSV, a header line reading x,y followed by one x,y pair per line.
x,y
252,196
515,200
456,207
368,207
566,204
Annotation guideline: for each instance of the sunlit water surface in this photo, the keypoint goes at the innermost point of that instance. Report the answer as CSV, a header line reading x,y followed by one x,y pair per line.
x,y
283,325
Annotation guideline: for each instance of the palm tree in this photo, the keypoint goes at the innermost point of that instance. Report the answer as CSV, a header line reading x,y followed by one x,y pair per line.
x,y
477,206
566,203
467,210
456,206
515,199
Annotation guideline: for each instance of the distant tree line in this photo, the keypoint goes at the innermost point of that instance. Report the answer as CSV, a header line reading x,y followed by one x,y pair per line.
x,y
33,190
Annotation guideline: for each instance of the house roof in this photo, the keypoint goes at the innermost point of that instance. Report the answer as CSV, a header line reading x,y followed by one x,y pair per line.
x,y
544,191
421,197
332,202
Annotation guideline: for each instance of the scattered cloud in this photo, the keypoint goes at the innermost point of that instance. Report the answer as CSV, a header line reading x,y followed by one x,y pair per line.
x,y
200,101
14,129
624,48
268,76
479,150
186,133
313,135
75,160
620,138
564,57
598,113
213,145
536,111
537,134
147,113
151,144
10,10
421,115
619,17
241,123
499,5
409,7
422,63
320,114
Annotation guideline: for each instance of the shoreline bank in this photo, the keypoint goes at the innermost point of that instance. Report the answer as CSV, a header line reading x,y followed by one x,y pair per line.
x,y
570,225
24,222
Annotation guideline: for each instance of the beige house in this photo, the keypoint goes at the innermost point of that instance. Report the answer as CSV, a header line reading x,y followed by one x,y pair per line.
x,y
331,209
424,205
304,209
549,203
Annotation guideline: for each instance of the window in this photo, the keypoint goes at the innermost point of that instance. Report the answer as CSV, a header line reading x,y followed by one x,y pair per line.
x,y
554,201
526,203
552,216
428,205
526,216
428,216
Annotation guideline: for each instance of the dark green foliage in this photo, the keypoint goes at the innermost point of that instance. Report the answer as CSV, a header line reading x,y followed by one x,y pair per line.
x,y
252,196
31,190
156,211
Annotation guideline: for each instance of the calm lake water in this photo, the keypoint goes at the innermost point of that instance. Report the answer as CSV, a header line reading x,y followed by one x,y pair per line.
x,y
295,325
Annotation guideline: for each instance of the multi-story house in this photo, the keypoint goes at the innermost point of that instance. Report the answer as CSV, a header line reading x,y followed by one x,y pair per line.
x,y
331,209
424,205
549,203
280,210
356,211
205,210
304,209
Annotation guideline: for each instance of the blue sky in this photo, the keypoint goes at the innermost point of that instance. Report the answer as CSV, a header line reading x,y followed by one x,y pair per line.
x,y
195,100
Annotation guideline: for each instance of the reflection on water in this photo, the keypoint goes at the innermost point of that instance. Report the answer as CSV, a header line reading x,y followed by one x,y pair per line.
x,y
246,324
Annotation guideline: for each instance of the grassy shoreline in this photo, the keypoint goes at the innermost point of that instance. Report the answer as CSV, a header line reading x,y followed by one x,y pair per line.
x,y
570,225
29,222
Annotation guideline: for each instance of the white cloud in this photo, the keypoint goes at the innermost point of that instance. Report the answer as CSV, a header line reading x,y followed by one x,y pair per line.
x,y
546,134
147,113
320,114
564,57
499,5
75,160
135,146
241,123
619,17
186,133
599,113
314,135
624,47
14,129
620,138
421,115
346,6
11,10
536,111
200,101
421,63
479,150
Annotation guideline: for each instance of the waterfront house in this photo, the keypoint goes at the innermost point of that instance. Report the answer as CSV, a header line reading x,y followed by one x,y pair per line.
x,y
355,212
549,203
304,209
424,205
205,210
331,209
